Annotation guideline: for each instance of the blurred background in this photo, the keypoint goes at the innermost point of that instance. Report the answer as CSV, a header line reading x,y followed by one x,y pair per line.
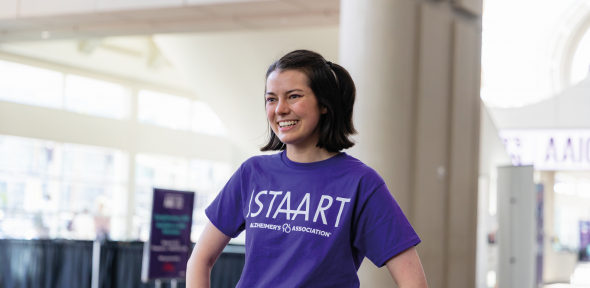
x,y
474,112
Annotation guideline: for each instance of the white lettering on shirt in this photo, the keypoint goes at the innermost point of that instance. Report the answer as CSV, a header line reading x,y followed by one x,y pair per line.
x,y
285,228
249,205
342,201
280,209
306,212
274,195
321,209
260,205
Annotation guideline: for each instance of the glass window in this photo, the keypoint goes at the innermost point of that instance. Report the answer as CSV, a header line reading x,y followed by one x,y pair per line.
x,y
94,187
164,110
95,97
158,171
207,178
28,174
53,190
30,85
206,121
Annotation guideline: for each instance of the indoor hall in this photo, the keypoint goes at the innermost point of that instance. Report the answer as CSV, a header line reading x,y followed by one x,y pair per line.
x,y
104,104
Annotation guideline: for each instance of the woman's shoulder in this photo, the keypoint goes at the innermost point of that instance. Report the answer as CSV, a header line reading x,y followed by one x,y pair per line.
x,y
260,161
364,172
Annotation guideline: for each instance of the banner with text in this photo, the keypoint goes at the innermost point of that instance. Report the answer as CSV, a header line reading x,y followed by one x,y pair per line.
x,y
548,149
168,249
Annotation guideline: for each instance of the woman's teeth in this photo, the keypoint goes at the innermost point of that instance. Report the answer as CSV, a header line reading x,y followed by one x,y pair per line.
x,y
287,123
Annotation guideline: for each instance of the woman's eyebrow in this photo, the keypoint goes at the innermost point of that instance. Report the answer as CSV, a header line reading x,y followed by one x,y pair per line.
x,y
290,91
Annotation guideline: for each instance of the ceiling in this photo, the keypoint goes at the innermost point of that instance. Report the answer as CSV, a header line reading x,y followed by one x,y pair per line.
x,y
134,58
32,23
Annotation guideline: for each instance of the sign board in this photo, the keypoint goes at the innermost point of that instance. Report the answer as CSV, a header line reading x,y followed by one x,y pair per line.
x,y
585,240
166,253
548,149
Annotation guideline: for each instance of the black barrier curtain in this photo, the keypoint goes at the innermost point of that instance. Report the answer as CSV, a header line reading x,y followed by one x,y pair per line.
x,y
220,277
61,263
121,267
45,263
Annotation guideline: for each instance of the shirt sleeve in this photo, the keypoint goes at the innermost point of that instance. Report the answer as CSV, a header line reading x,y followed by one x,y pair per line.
x,y
382,229
226,212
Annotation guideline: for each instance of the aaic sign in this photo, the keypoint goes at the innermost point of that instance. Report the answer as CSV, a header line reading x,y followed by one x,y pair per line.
x,y
168,249
548,149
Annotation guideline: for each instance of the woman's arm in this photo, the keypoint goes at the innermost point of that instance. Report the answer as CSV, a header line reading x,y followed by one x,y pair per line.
x,y
206,251
406,269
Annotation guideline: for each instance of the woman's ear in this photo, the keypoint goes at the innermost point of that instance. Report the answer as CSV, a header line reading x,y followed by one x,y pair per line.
x,y
324,110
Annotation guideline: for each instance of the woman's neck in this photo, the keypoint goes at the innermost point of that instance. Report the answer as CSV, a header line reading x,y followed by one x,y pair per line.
x,y
308,154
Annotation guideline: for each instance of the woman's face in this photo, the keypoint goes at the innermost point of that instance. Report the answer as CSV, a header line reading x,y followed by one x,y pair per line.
x,y
292,109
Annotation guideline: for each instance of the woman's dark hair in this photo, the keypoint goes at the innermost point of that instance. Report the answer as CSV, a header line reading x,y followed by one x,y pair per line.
x,y
334,90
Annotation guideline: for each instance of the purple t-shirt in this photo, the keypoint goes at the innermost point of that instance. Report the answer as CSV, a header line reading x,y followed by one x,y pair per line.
x,y
310,224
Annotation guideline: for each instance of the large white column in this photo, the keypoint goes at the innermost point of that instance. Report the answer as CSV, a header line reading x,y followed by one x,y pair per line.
x,y
416,67
377,44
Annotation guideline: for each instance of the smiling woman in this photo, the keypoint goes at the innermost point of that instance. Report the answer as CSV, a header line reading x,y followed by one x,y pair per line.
x,y
345,211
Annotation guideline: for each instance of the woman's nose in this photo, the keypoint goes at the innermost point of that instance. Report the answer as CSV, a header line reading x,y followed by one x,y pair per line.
x,y
282,108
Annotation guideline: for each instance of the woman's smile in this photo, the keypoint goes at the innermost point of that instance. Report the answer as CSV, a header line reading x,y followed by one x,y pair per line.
x,y
287,125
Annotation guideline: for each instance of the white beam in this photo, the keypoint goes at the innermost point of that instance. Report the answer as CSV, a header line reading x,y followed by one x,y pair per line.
x,y
75,19
62,126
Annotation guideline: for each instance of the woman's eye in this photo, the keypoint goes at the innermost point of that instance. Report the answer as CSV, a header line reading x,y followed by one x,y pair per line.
x,y
270,99
294,96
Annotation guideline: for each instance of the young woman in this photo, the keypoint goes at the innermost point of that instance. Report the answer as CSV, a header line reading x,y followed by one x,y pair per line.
x,y
312,213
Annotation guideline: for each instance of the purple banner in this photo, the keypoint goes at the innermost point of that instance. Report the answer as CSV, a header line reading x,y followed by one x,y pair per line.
x,y
169,247
540,232
585,240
